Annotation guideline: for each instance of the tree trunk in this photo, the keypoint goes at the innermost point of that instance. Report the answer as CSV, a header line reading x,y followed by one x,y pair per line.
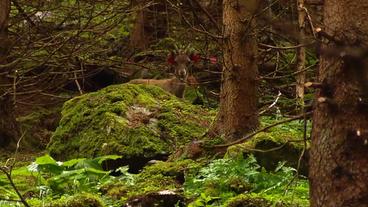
x,y
238,101
4,18
137,36
150,23
339,150
8,124
300,77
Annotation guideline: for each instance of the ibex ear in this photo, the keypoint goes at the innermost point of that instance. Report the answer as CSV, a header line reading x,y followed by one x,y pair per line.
x,y
171,58
213,60
195,57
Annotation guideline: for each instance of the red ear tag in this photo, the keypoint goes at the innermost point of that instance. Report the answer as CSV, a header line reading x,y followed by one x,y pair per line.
x,y
171,59
195,58
213,60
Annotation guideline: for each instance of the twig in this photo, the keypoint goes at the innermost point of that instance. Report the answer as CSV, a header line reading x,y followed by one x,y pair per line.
x,y
273,104
260,130
284,47
288,75
77,83
8,173
271,149
23,13
9,65
208,15
302,152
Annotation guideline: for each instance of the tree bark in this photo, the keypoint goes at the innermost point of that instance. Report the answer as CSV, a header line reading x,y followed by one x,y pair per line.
x,y
4,18
339,161
150,23
8,125
300,77
238,99
138,37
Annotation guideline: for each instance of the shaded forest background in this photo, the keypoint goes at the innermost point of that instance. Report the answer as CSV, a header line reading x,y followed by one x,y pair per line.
x,y
56,50
255,60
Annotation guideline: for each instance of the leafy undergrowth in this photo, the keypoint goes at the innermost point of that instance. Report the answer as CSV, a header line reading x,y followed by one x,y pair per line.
x,y
243,180
281,143
222,182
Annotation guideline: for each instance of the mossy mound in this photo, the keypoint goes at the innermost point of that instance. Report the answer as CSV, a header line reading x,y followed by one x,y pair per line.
x,y
158,184
244,200
159,176
134,121
253,200
78,200
282,143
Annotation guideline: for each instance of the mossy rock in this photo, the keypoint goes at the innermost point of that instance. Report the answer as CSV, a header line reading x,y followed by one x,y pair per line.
x,y
244,200
253,200
158,184
163,198
135,121
153,179
78,200
282,143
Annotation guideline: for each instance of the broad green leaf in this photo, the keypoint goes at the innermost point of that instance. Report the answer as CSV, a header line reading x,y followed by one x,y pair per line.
x,y
71,163
107,157
46,159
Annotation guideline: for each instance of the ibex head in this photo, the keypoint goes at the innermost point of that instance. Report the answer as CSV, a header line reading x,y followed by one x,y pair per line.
x,y
181,61
176,85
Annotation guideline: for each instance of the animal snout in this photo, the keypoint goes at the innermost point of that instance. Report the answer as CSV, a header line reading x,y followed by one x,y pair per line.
x,y
181,73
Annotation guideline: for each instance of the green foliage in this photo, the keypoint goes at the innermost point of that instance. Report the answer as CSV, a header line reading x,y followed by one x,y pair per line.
x,y
293,127
232,181
77,200
248,200
222,182
226,178
77,175
203,200
287,138
56,180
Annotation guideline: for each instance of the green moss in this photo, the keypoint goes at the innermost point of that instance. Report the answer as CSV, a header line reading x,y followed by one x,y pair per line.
x,y
265,200
171,168
243,200
154,178
289,131
78,200
130,120
280,143
163,176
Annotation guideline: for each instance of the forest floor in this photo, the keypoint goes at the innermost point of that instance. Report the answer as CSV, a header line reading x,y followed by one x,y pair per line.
x,y
152,172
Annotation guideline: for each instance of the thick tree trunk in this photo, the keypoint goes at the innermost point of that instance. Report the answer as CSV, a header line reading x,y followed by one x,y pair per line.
x,y
4,18
339,151
238,101
8,124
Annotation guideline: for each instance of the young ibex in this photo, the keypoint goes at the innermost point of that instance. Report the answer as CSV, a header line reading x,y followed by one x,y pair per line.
x,y
175,85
